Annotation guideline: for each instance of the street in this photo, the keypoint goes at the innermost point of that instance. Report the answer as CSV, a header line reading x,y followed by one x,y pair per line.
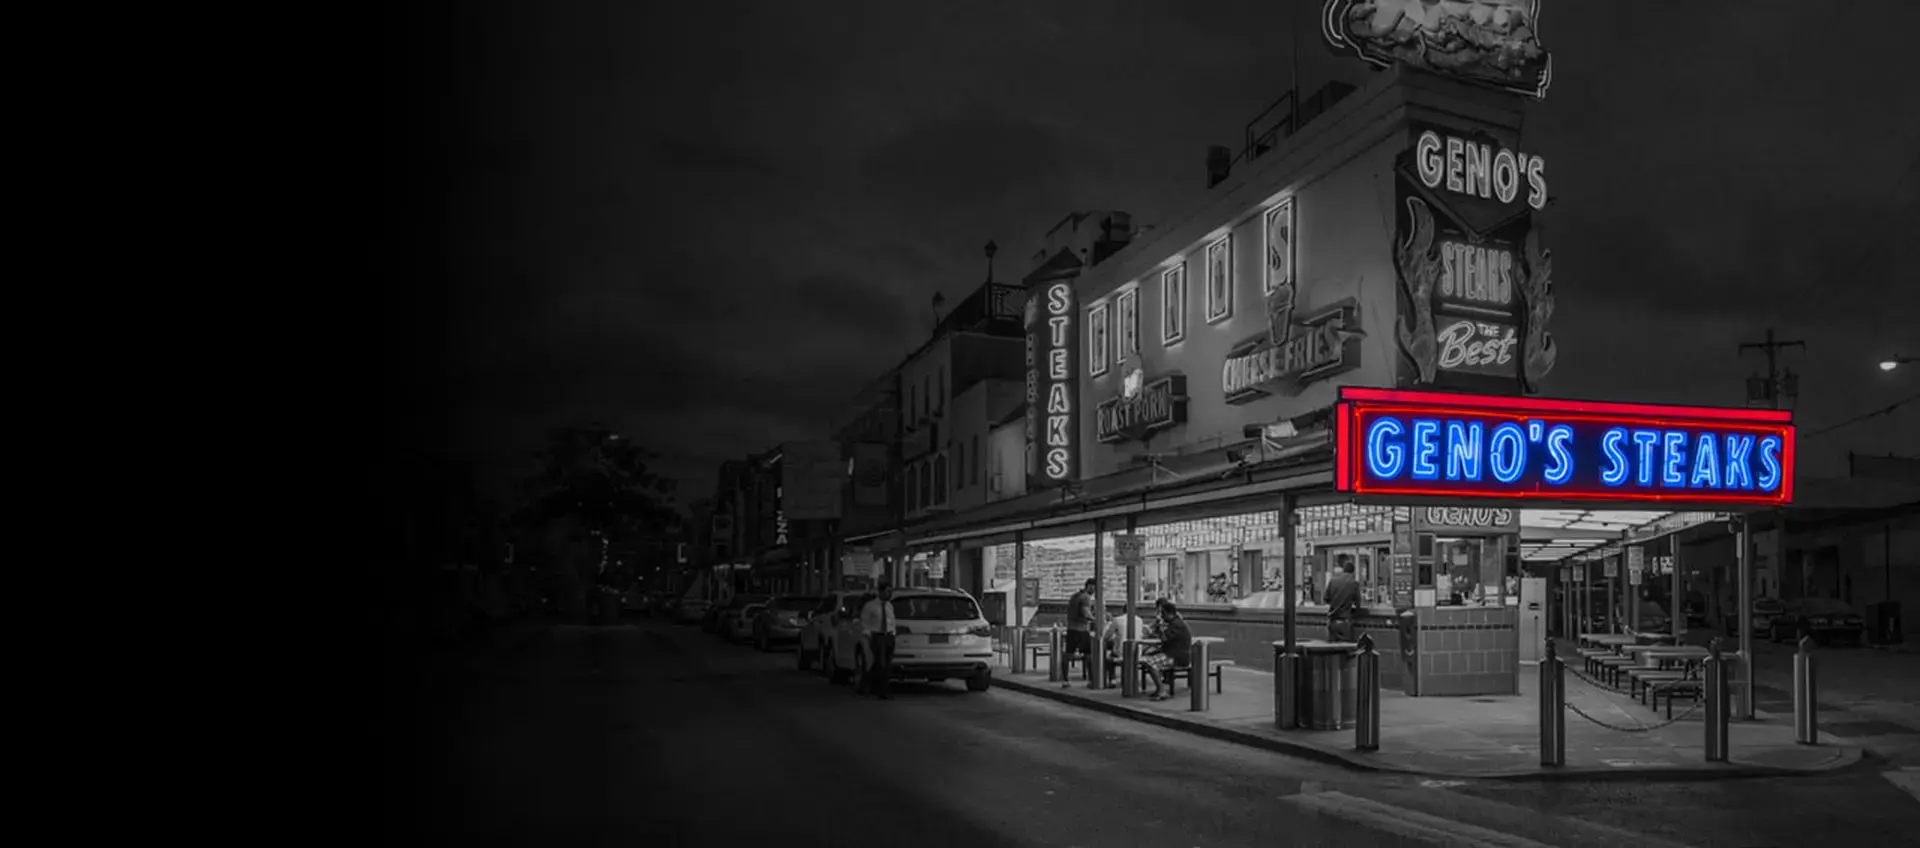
x,y
665,735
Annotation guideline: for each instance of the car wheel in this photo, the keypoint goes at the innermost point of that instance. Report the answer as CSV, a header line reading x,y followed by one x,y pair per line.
x,y
980,682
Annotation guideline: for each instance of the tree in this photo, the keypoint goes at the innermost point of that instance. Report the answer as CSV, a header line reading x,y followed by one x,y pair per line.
x,y
599,485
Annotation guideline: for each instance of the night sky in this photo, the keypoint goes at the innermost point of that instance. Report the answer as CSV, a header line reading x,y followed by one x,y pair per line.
x,y
708,224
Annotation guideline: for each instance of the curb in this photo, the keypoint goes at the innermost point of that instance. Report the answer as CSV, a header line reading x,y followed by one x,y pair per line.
x,y
1359,762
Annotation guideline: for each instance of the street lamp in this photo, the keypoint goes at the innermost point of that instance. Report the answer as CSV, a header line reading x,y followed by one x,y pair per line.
x,y
1890,364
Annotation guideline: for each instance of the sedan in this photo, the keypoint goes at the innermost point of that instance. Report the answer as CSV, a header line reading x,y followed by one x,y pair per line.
x,y
1827,620
780,621
739,623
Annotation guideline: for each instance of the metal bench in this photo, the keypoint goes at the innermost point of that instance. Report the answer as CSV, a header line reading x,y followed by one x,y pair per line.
x,y
1213,673
1640,680
1673,690
1611,667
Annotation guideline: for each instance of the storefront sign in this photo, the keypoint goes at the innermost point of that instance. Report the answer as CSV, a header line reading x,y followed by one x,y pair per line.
x,y
1427,444
1478,168
1495,43
1142,409
1636,564
1052,374
1476,521
1128,551
1476,276
1319,347
1400,580
1479,347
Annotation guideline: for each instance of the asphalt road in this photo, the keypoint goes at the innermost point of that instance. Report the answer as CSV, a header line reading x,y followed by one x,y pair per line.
x,y
665,735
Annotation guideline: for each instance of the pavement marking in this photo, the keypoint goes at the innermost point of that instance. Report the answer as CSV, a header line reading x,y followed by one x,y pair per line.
x,y
1408,824
1908,779
1442,784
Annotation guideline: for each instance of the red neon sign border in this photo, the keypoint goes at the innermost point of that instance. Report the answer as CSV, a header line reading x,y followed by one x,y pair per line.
x,y
1558,406
1347,476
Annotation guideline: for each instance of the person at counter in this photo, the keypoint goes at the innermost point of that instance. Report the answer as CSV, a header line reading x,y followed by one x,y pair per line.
x,y
1080,622
1342,599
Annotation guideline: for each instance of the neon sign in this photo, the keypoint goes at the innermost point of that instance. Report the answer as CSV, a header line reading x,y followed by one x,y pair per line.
x,y
1428,444
1478,169
1317,348
1052,422
1142,409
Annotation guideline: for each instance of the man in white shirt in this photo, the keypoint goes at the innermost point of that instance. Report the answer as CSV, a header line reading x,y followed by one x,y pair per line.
x,y
877,622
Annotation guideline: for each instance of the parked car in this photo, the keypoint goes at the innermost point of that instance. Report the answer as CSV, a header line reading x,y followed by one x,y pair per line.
x,y
691,610
818,627
739,625
723,617
940,634
780,621
1764,610
1827,620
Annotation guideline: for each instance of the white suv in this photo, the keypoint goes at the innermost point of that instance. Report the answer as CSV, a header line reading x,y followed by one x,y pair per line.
x,y
939,634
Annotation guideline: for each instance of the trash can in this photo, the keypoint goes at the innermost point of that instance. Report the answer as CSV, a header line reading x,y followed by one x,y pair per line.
x,y
1332,680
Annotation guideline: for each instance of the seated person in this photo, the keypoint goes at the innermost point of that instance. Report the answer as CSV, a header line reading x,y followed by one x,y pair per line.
x,y
1115,633
1174,651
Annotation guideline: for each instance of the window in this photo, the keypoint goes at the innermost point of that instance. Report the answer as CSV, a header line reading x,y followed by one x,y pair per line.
x,y
935,608
1220,280
940,391
975,455
1280,254
926,485
926,388
1127,324
960,465
1098,353
913,488
1173,304
913,406
940,479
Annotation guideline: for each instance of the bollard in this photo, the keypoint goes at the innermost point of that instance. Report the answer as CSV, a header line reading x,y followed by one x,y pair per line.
x,y
1553,708
1716,703
1197,679
1366,718
1806,722
1129,668
1017,649
1286,688
1056,656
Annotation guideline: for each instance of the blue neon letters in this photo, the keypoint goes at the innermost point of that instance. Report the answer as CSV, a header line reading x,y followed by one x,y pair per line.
x,y
1505,453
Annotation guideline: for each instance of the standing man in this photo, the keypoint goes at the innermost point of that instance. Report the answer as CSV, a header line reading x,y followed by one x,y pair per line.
x,y
876,620
1080,623
1342,599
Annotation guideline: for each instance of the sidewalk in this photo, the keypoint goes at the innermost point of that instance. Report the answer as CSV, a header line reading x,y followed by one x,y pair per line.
x,y
1487,737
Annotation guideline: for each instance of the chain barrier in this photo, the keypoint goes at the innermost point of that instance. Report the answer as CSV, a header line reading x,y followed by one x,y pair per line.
x,y
1641,728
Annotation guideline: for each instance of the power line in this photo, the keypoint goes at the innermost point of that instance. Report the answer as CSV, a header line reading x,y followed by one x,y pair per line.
x,y
1859,418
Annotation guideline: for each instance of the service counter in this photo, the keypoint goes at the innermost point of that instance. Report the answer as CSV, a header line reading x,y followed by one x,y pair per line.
x,y
1445,650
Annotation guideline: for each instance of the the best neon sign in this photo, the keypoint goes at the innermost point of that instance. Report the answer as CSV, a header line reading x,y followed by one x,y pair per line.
x,y
1429,444
1478,169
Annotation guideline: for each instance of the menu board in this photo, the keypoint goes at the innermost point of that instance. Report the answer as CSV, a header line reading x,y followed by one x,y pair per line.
x,y
1030,592
1403,537
1401,580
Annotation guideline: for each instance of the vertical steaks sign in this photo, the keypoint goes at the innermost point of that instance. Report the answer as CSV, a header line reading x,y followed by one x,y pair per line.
x,y
1428,444
1476,288
1052,375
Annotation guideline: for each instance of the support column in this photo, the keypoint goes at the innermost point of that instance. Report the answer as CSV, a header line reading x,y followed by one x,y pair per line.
x,y
1586,594
1290,571
1743,596
952,569
1097,670
1677,606
1133,592
1613,603
1019,618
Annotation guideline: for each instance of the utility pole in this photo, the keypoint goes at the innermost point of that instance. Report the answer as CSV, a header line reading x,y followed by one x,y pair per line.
x,y
1777,382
